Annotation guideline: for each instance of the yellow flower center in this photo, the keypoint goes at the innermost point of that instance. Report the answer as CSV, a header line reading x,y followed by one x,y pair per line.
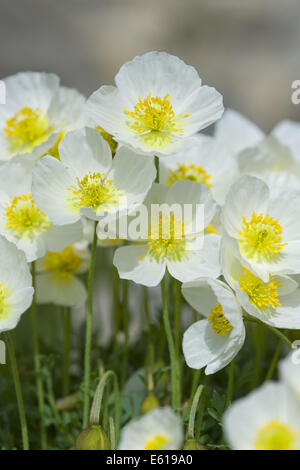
x,y
94,190
262,295
27,129
156,443
210,229
109,139
219,323
261,237
166,238
154,119
276,436
65,263
24,218
5,308
190,172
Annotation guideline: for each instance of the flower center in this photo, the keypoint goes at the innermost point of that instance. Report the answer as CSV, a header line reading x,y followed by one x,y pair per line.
x,y
219,323
24,218
190,172
166,238
156,443
109,139
276,436
94,190
27,129
65,263
261,237
5,308
154,119
261,295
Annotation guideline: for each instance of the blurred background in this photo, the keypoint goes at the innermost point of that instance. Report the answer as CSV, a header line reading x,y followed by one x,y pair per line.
x,y
248,50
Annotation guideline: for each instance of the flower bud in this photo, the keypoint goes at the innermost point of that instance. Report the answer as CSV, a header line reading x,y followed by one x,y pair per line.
x,y
192,444
149,403
92,438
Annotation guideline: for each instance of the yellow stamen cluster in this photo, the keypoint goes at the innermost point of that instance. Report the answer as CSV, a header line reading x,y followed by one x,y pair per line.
x,y
261,237
156,443
276,436
109,139
262,295
5,308
210,229
94,190
190,172
24,218
65,263
219,323
166,238
154,114
27,129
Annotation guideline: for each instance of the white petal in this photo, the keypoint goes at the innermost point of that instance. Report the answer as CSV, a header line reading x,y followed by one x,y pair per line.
x,y
69,292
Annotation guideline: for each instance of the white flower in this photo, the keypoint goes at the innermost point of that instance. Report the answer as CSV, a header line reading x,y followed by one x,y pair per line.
x,y
15,285
267,419
160,429
170,242
87,181
275,301
36,114
206,162
214,341
56,280
289,372
21,220
159,101
288,133
235,132
265,225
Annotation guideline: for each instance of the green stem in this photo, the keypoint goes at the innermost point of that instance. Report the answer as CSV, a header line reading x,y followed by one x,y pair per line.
x,y
259,342
146,307
117,306
156,161
191,425
67,328
274,361
16,378
177,323
125,312
195,381
230,382
271,328
88,340
37,363
175,372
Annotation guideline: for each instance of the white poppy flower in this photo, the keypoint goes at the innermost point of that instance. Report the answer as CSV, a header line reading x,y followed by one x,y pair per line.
x,y
158,103
214,341
16,290
275,301
206,162
289,372
236,133
171,243
160,429
267,419
56,279
36,114
88,182
266,226
21,220
288,133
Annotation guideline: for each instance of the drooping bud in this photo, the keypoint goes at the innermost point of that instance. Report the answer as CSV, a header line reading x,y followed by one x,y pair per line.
x,y
192,444
92,438
149,403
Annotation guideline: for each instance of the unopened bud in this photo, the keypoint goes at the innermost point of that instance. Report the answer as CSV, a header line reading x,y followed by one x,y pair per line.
x,y
192,444
92,438
149,403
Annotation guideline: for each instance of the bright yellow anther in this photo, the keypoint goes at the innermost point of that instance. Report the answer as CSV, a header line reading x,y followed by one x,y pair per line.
x,y
276,436
219,323
262,295
156,443
166,238
24,218
27,129
65,263
189,172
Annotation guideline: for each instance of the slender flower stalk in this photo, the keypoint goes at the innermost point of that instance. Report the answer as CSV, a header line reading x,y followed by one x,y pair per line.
x,y
88,343
16,378
177,322
274,361
67,331
37,362
125,313
192,417
230,381
175,372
